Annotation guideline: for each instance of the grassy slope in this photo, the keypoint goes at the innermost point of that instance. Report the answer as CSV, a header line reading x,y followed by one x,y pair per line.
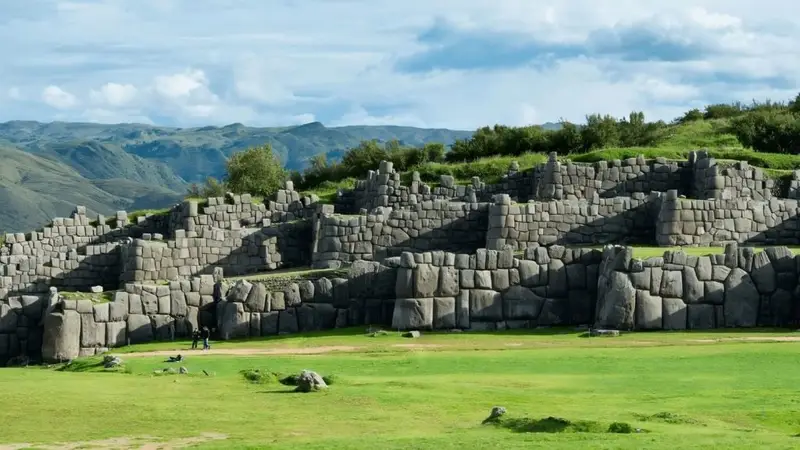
x,y
707,134
724,395
33,190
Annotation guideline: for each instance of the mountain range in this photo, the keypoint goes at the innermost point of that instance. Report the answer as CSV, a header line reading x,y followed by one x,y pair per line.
x,y
48,168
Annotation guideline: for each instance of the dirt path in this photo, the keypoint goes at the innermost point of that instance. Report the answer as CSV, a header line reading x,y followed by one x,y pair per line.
x,y
350,348
273,351
123,443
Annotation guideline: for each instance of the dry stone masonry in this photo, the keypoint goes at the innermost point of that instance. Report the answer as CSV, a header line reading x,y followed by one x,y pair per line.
x,y
519,253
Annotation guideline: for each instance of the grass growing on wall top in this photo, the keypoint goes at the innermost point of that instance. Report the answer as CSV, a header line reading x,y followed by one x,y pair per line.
x,y
670,385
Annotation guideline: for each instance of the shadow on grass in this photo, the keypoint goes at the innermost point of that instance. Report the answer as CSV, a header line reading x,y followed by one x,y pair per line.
x,y
559,425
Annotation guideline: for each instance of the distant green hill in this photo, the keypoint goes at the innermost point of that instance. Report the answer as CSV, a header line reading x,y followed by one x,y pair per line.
x,y
47,168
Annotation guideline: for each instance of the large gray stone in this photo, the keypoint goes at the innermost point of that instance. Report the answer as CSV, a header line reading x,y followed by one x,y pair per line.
x,y
62,336
93,334
116,334
316,317
287,321
404,283
462,309
232,320
448,281
693,288
485,305
426,281
239,291
649,311
520,303
557,279
704,268
178,307
616,310
672,284
269,323
257,299
444,313
714,292
529,273
700,317
741,300
763,273
140,329
291,295
674,311
413,313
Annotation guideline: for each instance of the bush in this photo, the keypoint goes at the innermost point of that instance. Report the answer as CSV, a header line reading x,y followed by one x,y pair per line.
x,y
769,131
620,427
330,380
256,171
258,376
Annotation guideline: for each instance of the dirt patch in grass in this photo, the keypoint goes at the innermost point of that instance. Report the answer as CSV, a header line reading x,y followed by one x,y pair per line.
x,y
255,351
120,443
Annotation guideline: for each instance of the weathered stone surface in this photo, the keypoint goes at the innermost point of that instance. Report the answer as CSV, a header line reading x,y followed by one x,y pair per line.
x,y
520,303
672,284
674,312
291,295
239,291
116,334
256,299
413,313
763,273
287,321
557,279
700,317
316,317
714,292
741,300
462,309
232,320
269,323
93,334
139,328
426,281
618,306
62,336
178,307
485,305
693,288
649,310
448,281
444,313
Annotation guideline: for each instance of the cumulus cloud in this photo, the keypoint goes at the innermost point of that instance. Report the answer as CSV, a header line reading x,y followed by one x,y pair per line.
x,y
450,63
58,98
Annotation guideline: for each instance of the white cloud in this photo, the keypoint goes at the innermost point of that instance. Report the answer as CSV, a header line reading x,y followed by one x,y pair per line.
x,y
186,63
58,98
114,94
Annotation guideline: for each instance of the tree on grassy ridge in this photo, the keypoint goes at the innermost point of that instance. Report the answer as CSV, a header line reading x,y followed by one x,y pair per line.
x,y
768,131
211,188
256,171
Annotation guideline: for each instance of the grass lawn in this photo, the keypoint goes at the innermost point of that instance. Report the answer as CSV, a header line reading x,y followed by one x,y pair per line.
x,y
681,390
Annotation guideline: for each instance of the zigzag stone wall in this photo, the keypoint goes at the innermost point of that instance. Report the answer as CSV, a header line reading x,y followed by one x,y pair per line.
x,y
419,258
596,221
491,290
740,288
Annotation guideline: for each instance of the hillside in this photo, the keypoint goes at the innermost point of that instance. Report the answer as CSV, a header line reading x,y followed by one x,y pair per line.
x,y
48,168
193,154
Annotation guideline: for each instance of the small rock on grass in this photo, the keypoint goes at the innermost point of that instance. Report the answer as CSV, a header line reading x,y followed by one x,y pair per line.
x,y
412,334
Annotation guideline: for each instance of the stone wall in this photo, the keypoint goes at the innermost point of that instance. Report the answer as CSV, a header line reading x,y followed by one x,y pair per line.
x,y
237,252
597,221
715,222
713,180
435,224
21,324
490,290
146,312
606,179
740,288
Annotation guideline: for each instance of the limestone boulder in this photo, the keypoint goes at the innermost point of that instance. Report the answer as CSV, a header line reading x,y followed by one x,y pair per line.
x,y
61,340
741,300
616,308
413,314
232,320
520,303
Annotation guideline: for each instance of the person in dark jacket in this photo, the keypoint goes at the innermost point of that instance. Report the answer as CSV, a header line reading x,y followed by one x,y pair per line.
x,y
206,334
195,338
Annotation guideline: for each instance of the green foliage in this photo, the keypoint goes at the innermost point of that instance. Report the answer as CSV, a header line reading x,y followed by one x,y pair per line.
x,y
769,130
258,376
620,427
255,171
211,188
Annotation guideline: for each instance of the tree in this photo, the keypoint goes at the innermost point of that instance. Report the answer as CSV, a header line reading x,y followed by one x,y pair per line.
x,y
211,188
255,171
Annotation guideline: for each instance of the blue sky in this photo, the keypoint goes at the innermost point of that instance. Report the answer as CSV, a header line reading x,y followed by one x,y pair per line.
x,y
445,63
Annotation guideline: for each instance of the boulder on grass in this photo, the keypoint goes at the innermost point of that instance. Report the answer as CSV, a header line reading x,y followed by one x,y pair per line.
x,y
309,381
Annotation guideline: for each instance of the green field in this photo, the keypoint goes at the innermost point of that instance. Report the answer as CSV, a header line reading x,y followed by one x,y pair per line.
x,y
686,390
